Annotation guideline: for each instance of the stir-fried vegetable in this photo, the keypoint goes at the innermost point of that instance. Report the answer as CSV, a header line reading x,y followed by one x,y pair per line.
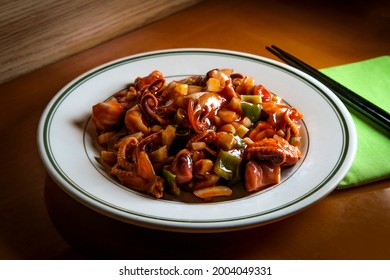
x,y
251,110
227,165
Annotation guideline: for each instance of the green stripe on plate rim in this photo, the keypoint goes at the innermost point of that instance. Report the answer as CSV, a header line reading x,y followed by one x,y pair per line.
x,y
77,83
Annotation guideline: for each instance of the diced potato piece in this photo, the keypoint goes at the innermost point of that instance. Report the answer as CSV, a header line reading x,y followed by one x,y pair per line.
x,y
226,141
168,135
159,155
213,85
197,146
228,128
218,121
203,166
181,89
235,104
228,116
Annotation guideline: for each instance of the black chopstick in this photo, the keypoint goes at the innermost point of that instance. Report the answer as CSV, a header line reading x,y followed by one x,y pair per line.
x,y
360,104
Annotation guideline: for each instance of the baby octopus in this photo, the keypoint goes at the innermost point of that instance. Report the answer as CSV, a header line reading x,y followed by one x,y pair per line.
x,y
206,134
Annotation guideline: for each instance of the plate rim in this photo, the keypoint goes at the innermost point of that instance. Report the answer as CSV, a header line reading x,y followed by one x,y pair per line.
x,y
345,160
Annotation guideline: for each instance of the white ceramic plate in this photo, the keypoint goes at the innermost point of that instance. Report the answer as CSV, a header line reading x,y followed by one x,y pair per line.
x,y
67,143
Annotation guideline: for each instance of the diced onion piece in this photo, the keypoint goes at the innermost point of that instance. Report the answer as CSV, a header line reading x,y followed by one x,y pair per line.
x,y
242,131
248,141
213,191
246,122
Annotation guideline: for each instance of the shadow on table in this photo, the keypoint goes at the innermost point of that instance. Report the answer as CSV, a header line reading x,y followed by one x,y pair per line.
x,y
99,237
329,229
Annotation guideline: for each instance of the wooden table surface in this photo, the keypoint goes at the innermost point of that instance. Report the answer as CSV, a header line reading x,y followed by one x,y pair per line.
x,y
39,221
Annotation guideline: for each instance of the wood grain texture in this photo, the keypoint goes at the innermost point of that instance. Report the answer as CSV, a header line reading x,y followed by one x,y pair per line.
x,y
36,33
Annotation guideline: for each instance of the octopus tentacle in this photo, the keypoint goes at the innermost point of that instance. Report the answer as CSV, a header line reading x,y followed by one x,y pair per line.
x,y
288,133
274,154
153,184
194,115
132,180
197,119
207,136
203,110
290,123
156,86
128,178
149,105
134,168
278,151
154,138
126,147
153,107
141,83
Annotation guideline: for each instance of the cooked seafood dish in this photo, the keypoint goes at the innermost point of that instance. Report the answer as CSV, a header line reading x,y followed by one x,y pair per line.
x,y
206,134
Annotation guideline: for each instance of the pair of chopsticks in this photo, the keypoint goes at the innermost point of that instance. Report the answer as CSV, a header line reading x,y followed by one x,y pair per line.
x,y
361,105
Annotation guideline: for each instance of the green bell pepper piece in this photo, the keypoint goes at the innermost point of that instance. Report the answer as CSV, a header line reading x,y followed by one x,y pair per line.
x,y
227,165
170,179
252,111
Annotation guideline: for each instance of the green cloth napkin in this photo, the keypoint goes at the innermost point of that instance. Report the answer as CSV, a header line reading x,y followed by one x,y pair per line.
x,y
370,79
